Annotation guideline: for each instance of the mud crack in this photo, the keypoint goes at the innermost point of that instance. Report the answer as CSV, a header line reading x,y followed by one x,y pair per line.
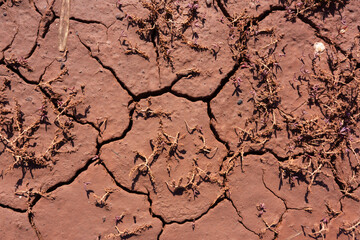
x,y
19,210
110,69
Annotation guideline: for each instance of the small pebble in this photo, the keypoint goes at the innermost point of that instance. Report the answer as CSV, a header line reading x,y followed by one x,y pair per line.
x,y
239,102
5,14
62,66
319,47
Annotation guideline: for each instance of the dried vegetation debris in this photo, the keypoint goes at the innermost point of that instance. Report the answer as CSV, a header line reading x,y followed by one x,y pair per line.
x,y
166,23
321,146
20,140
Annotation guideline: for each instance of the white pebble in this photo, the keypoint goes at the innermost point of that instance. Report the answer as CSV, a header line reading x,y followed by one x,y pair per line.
x,y
319,47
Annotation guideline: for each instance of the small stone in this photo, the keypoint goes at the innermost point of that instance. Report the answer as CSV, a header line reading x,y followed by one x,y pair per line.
x,y
319,47
5,14
62,66
239,102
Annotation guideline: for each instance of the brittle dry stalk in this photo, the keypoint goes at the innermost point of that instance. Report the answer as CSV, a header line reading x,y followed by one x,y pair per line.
x,y
129,233
351,228
149,113
144,167
194,179
101,201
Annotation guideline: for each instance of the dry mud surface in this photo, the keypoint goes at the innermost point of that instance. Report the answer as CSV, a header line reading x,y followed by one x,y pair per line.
x,y
179,119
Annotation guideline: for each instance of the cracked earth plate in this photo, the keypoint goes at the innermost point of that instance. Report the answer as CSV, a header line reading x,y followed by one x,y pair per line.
x,y
167,115
86,218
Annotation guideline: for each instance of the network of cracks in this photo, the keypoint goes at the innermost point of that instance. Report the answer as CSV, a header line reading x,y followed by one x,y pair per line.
x,y
177,119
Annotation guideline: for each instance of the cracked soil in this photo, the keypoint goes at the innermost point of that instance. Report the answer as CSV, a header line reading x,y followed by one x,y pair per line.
x,y
180,119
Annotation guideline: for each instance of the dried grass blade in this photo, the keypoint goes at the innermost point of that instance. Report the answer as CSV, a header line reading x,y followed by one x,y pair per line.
x,y
64,24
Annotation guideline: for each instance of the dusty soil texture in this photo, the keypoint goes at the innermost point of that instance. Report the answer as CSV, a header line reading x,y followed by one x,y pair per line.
x,y
180,119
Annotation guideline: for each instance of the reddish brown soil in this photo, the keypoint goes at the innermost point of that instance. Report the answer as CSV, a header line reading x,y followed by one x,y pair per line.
x,y
180,120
